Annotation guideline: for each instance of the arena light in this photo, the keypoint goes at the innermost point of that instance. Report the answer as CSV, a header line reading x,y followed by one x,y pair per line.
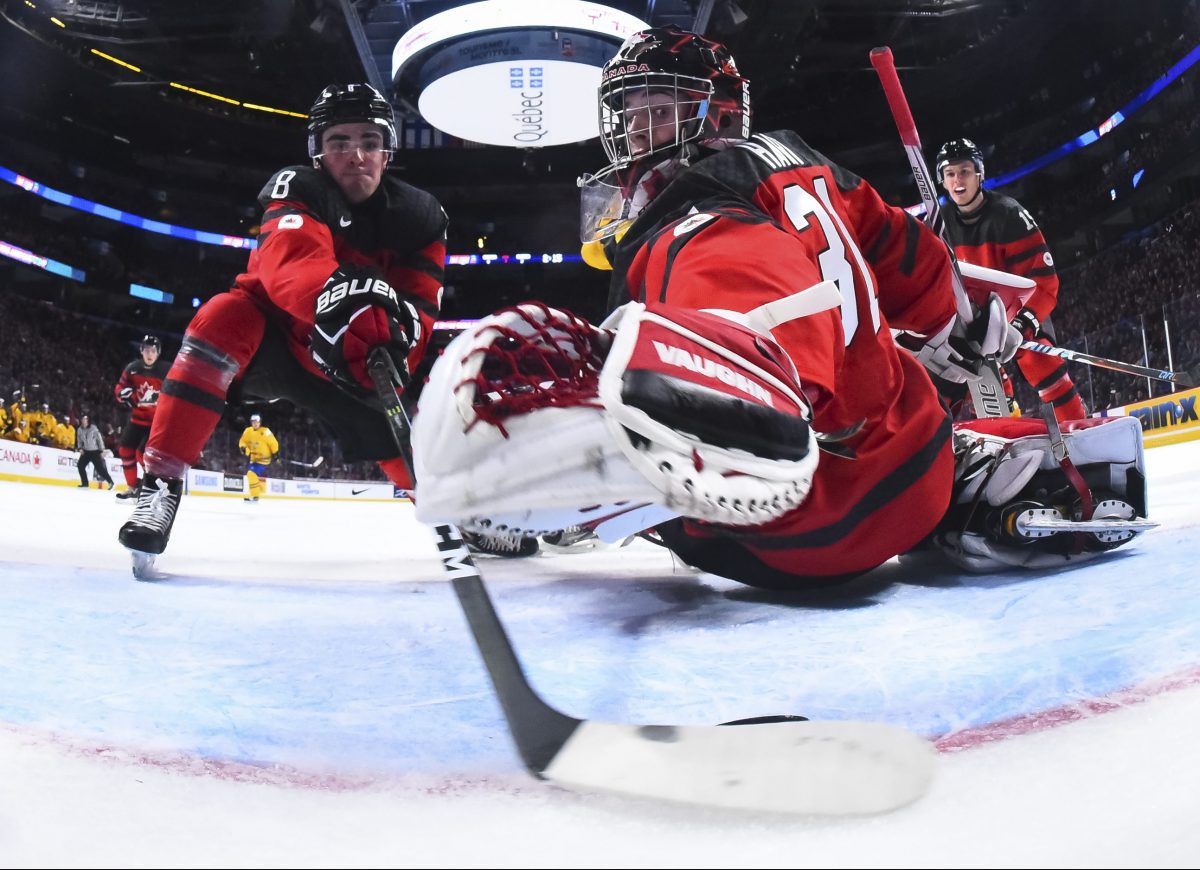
x,y
153,294
115,214
116,60
509,72
29,258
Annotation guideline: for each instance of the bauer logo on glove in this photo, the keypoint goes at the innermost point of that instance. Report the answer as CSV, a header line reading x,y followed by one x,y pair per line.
x,y
336,290
356,312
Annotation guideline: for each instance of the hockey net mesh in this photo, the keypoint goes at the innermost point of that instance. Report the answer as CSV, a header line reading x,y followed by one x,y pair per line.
x,y
534,357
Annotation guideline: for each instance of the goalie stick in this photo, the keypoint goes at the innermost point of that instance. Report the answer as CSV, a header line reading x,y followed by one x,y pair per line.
x,y
987,394
824,768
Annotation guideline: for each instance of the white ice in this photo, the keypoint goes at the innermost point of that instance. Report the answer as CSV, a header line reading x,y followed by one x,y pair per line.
x,y
301,690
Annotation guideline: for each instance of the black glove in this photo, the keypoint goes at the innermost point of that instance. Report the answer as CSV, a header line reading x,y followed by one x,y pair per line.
x,y
1028,324
126,397
356,312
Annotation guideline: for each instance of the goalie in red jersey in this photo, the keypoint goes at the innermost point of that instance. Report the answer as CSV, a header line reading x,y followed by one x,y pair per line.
x,y
349,259
746,397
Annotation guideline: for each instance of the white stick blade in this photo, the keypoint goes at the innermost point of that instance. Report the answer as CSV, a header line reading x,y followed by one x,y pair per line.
x,y
820,768
989,279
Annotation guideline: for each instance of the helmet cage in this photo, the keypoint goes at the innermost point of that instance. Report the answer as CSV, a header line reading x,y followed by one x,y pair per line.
x,y
691,119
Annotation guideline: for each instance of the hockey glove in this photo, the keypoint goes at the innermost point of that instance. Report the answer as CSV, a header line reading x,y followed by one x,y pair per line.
x,y
125,397
1028,324
358,311
534,419
956,351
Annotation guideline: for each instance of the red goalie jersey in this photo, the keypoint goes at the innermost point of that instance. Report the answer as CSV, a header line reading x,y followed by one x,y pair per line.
x,y
761,221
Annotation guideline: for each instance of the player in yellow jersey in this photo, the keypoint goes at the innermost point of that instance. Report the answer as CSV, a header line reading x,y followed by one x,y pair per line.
x,y
261,448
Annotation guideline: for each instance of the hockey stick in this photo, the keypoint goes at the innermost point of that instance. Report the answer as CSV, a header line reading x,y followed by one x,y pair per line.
x,y
1186,378
987,394
316,463
826,768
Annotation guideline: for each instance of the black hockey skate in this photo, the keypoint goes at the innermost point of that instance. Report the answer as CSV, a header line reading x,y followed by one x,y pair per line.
x,y
571,538
511,545
132,492
149,529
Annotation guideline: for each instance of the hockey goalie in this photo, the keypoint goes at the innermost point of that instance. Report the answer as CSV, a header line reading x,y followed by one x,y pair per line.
x,y
761,395
698,426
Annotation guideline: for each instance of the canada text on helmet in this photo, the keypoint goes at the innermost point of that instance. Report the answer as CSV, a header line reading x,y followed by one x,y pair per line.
x,y
712,99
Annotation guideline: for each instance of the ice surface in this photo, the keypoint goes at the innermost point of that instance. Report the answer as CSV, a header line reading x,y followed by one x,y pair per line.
x,y
301,689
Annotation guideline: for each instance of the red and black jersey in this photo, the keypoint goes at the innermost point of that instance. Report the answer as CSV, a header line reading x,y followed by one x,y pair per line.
x,y
1002,234
309,229
146,382
769,218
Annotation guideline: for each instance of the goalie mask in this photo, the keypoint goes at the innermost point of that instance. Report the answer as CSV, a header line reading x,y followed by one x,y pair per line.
x,y
349,104
665,93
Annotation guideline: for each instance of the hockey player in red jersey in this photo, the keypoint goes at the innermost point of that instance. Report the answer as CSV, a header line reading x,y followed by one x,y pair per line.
x,y
138,389
349,259
990,229
746,396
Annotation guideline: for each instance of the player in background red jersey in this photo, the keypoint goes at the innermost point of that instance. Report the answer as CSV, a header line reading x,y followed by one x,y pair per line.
x,y
994,230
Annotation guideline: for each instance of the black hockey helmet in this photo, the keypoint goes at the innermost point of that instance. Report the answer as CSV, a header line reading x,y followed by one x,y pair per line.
x,y
151,341
956,150
350,104
712,98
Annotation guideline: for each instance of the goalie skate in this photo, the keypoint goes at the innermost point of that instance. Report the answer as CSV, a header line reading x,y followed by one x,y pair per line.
x,y
1113,522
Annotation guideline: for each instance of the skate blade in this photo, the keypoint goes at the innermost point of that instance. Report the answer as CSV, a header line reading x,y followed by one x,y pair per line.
x,y
578,547
143,566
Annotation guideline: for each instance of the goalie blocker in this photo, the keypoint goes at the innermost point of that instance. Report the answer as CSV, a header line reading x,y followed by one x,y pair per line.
x,y
535,420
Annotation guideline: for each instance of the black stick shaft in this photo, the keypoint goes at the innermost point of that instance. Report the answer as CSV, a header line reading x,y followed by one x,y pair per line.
x,y
538,730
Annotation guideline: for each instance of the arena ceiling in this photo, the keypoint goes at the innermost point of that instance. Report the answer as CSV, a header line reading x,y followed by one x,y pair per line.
x,y
969,66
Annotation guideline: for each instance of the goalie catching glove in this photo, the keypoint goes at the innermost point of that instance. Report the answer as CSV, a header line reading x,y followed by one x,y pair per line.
x,y
534,420
357,311
956,351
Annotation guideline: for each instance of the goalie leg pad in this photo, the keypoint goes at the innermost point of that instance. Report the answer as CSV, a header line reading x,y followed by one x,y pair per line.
x,y
535,420
1005,464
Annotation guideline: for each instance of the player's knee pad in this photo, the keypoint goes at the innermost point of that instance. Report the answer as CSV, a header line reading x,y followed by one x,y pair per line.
x,y
1006,474
202,364
534,417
